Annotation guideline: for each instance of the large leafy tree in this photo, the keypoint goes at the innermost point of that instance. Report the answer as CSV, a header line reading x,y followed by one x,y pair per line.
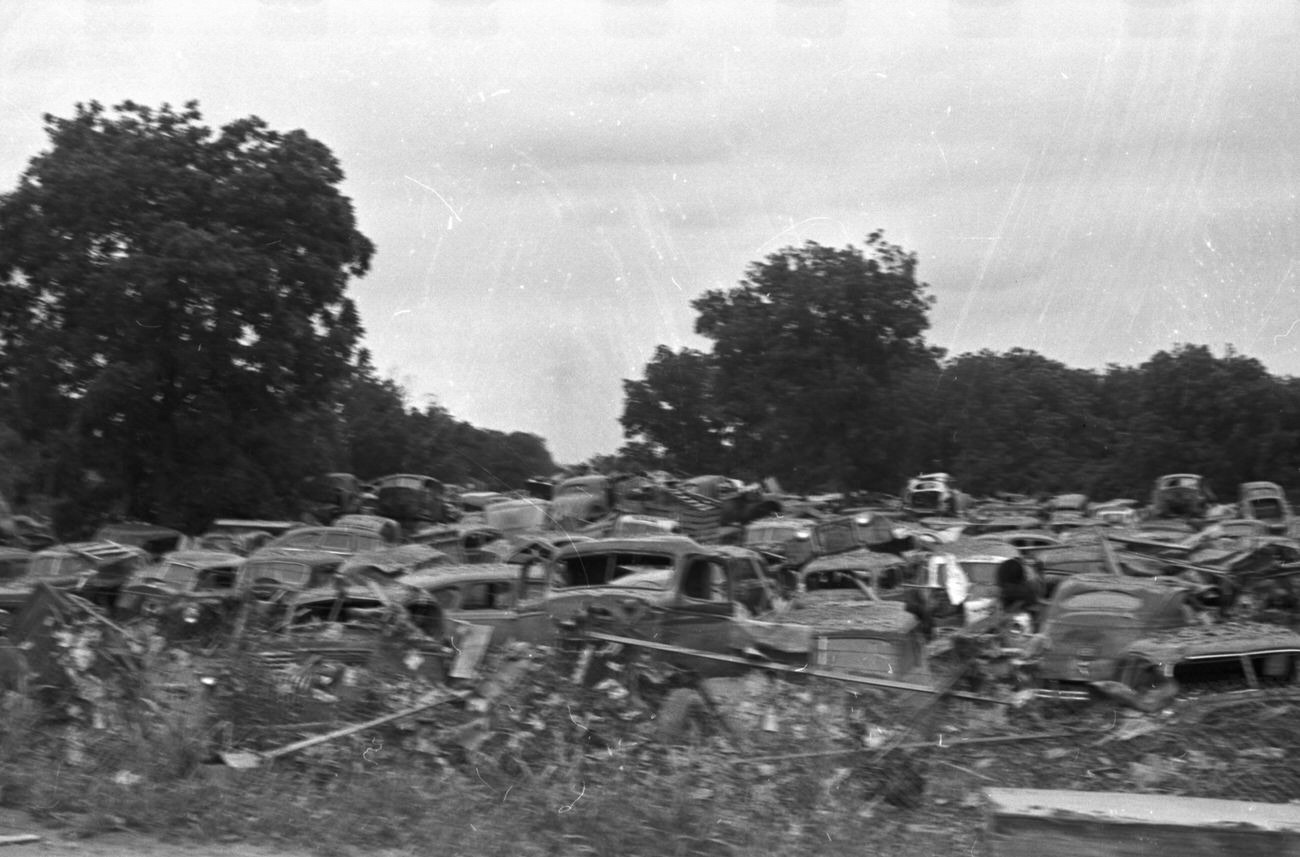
x,y
807,350
671,413
173,304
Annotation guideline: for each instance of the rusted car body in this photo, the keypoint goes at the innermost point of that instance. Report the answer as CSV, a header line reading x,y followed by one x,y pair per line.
x,y
189,594
934,494
411,499
579,501
779,537
329,495
153,539
685,591
1181,495
738,504
720,600
1140,632
94,570
480,594
272,572
1266,502
967,581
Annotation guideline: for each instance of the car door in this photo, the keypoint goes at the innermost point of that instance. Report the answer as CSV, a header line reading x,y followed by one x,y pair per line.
x,y
486,602
700,614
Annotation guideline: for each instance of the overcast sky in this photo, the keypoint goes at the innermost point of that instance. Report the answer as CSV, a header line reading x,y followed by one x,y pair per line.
x,y
550,182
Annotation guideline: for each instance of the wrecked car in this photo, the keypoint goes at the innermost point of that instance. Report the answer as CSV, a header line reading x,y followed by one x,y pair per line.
x,y
966,581
1181,495
412,500
188,594
272,572
95,571
934,494
690,590
1142,632
737,502
151,538
329,495
1265,502
343,541
479,594
582,500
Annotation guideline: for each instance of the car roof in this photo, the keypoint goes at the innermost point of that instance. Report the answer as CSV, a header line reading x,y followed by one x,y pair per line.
x,y
203,558
439,574
668,543
315,559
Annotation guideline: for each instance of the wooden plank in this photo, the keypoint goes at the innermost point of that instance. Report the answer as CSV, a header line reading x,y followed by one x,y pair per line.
x,y
1032,822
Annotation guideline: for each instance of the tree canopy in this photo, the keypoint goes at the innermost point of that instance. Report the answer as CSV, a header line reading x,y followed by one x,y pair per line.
x,y
171,294
805,352
176,337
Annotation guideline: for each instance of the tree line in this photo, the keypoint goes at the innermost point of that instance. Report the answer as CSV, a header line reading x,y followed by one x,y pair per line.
x,y
176,338
819,374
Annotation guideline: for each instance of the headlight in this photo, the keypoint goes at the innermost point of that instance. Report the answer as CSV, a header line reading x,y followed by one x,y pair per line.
x,y
190,614
862,520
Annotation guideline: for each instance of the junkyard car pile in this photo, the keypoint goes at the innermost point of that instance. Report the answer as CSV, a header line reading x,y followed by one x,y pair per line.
x,y
718,578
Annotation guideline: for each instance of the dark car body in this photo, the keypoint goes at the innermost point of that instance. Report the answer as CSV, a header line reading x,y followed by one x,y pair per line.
x,y
968,580
1139,632
738,504
411,499
329,495
481,594
692,590
190,594
94,570
153,539
934,494
272,572
1185,495
581,500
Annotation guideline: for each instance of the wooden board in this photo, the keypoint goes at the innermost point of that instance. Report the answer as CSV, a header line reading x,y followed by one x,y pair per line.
x,y
1032,822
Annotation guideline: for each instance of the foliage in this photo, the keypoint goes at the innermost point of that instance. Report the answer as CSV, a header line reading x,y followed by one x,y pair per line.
x,y
165,288
805,350
176,340
819,374
674,410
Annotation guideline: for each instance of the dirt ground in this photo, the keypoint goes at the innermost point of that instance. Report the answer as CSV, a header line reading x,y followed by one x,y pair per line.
x,y
67,840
